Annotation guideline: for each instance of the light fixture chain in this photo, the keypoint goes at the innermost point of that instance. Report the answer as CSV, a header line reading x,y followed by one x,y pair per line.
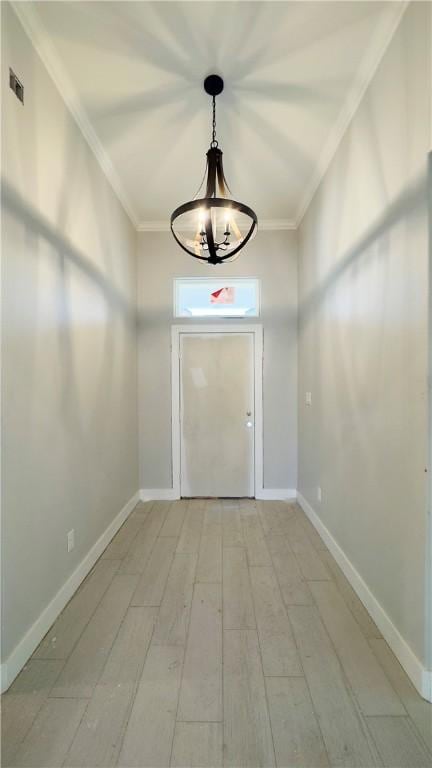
x,y
214,142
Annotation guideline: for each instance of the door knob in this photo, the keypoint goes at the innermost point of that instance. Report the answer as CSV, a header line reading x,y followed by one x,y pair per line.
x,y
248,413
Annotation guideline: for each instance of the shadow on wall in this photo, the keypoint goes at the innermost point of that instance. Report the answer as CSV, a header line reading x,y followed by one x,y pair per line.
x,y
39,226
411,203
79,415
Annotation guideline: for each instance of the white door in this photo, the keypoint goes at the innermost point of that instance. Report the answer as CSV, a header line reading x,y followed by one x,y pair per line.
x,y
216,414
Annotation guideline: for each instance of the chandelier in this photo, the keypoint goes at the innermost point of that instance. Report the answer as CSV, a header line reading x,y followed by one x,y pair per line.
x,y
213,228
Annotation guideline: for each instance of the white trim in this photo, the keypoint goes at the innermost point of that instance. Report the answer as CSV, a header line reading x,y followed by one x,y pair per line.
x,y
158,494
22,652
40,40
420,677
176,331
426,684
154,226
368,69
276,224
277,494
428,606
263,224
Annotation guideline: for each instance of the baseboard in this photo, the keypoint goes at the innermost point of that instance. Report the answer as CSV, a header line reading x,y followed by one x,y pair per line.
x,y
427,684
276,494
264,494
158,494
420,677
22,652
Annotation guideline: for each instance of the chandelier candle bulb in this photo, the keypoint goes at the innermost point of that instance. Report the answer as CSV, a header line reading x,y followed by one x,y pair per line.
x,y
217,237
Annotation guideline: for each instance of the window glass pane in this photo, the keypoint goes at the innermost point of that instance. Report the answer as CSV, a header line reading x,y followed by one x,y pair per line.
x,y
230,297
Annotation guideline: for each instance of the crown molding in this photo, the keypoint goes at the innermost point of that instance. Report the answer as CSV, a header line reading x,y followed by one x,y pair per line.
x,y
40,41
263,225
153,226
276,224
351,104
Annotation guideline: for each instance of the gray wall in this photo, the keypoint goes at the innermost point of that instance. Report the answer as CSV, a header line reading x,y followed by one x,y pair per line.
x,y
271,256
69,447
363,304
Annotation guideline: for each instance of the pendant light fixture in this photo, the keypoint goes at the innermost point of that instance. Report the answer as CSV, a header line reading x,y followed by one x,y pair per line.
x,y
213,228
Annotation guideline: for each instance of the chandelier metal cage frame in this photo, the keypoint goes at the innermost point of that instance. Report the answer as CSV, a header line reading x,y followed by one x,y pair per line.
x,y
206,247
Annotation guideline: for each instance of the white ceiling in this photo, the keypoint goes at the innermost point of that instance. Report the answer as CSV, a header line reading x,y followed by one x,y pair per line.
x,y
133,72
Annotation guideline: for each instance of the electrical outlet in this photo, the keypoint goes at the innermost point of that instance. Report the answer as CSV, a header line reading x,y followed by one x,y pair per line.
x,y
308,398
319,493
71,540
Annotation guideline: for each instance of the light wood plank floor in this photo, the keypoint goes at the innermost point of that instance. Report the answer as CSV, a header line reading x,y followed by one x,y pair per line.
x,y
215,633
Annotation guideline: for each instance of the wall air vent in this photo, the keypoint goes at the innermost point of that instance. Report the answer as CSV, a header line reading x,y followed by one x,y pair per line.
x,y
16,86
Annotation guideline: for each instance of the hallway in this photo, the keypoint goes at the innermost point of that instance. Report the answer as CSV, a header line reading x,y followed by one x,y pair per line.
x,y
215,633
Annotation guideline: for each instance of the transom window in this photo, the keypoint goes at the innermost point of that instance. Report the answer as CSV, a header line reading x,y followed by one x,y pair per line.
x,y
223,297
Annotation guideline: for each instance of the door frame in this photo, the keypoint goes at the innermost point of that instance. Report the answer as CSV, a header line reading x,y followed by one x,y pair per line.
x,y
177,331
